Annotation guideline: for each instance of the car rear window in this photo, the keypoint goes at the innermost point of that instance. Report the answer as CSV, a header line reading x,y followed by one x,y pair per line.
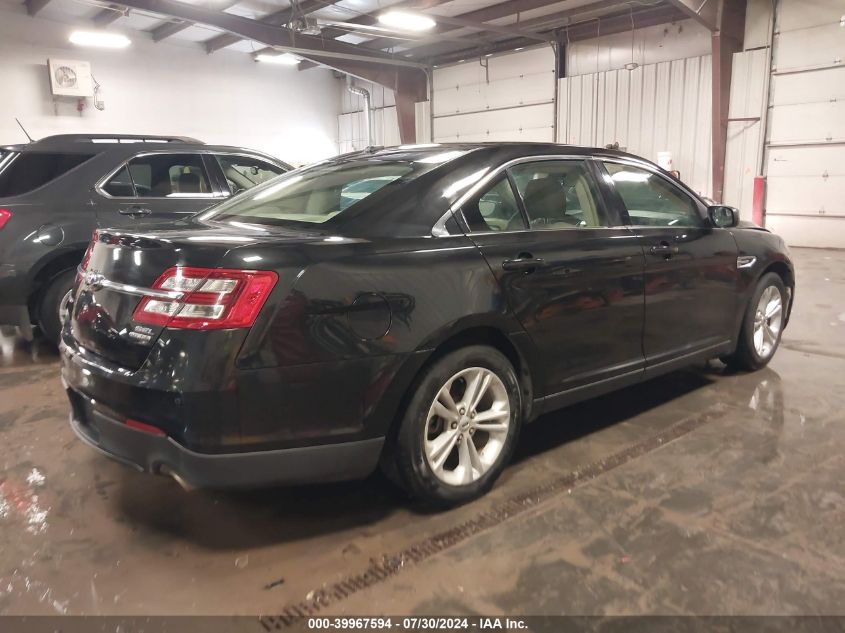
x,y
316,194
24,171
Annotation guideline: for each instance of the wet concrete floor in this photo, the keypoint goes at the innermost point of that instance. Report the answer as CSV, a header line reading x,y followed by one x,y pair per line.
x,y
700,492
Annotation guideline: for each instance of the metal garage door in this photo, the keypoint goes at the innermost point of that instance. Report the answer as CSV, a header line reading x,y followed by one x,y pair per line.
x,y
506,97
806,160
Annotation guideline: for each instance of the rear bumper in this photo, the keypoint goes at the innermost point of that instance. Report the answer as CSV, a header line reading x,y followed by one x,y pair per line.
x,y
162,455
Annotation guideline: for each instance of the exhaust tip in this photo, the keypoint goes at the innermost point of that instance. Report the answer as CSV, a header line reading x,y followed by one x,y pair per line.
x,y
168,472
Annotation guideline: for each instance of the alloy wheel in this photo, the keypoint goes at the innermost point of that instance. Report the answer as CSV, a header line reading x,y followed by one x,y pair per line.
x,y
467,426
768,321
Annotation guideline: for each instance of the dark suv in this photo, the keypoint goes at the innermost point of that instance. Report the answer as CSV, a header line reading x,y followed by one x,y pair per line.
x,y
56,191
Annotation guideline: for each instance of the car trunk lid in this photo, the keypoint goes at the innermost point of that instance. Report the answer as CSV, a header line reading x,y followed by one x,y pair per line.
x,y
119,270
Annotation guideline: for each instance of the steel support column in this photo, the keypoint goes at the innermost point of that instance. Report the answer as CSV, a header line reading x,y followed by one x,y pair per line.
x,y
726,41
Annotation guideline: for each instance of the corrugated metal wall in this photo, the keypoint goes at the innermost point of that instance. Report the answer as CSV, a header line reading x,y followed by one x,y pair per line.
x,y
506,97
654,108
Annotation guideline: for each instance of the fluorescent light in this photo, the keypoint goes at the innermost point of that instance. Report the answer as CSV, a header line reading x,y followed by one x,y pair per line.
x,y
100,39
406,21
285,59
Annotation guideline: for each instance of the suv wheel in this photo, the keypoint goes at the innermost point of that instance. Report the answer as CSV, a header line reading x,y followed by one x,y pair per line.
x,y
460,428
762,325
52,303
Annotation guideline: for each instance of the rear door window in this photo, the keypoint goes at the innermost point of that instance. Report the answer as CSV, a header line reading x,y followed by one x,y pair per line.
x,y
25,171
161,176
558,195
494,210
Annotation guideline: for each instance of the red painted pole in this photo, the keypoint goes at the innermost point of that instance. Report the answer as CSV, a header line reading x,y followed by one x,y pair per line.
x,y
758,213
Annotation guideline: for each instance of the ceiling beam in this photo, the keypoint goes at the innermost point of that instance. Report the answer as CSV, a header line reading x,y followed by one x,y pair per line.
x,y
278,37
498,12
546,22
163,31
618,23
172,27
111,14
492,28
34,6
705,12
278,18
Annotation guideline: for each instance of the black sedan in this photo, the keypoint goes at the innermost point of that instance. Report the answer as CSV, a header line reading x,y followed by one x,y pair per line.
x,y
410,307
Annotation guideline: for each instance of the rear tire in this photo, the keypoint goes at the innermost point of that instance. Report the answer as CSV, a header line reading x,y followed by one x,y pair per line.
x,y
762,325
52,300
460,427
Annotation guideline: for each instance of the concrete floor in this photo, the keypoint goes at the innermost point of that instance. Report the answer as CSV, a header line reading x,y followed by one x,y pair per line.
x,y
697,493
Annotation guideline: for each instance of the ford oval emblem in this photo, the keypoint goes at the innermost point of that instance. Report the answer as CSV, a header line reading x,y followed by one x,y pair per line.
x,y
94,280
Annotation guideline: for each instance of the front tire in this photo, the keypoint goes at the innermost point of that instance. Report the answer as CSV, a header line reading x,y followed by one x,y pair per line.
x,y
460,428
762,325
52,302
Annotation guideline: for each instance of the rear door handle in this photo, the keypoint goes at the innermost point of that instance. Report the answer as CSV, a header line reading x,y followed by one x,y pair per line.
x,y
134,211
524,264
664,249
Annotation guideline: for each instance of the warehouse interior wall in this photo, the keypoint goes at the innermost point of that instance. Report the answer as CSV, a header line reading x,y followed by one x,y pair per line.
x,y
352,133
167,88
663,105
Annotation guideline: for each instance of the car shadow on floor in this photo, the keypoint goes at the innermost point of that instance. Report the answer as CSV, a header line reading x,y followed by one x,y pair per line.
x,y
244,519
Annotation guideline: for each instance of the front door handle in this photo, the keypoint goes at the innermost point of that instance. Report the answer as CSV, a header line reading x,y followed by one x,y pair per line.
x,y
523,264
134,211
665,250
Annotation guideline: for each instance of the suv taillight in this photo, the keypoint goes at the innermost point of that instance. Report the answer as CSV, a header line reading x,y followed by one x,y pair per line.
x,y
213,299
5,216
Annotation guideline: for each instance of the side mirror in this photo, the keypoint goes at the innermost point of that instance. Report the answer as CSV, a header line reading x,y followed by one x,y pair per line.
x,y
723,217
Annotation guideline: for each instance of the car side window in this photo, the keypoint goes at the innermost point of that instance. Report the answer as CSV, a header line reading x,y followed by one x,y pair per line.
x,y
652,200
245,172
120,185
494,210
161,176
558,195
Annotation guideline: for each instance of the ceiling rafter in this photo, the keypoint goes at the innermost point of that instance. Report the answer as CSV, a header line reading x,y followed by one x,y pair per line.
x,y
504,10
34,6
110,14
172,27
606,25
278,37
278,18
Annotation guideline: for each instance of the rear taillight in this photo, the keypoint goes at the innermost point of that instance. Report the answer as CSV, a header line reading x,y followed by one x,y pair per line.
x,y
213,299
5,216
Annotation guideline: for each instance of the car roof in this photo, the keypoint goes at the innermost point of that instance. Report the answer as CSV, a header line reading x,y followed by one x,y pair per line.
x,y
127,145
501,149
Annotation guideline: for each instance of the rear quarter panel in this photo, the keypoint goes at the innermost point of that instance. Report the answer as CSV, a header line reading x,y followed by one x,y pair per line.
x,y
356,325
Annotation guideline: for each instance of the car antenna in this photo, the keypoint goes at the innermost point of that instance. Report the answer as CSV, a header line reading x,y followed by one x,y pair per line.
x,y
31,140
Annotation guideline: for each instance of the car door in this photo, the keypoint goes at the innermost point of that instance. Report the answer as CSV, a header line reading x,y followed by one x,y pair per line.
x,y
690,274
241,172
156,186
571,273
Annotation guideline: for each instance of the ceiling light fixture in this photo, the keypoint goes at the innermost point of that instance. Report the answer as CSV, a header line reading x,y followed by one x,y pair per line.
x,y
405,21
285,59
99,39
